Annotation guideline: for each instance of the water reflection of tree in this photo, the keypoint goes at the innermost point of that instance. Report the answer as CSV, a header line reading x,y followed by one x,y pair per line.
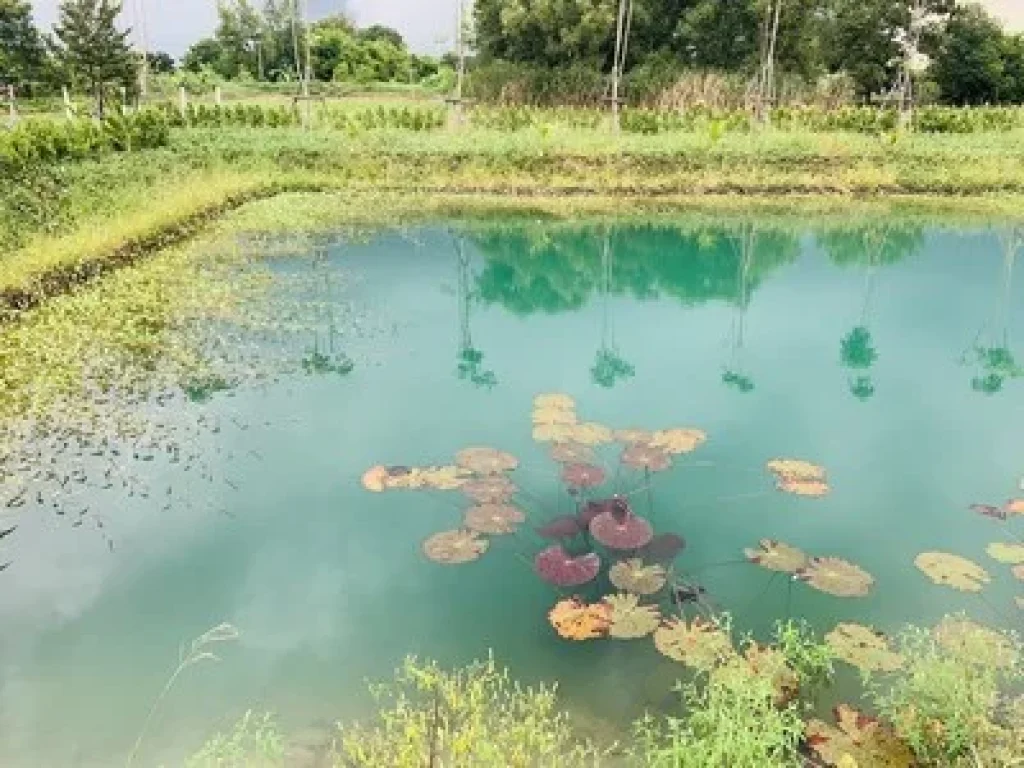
x,y
324,356
556,268
991,351
609,367
470,359
870,248
735,375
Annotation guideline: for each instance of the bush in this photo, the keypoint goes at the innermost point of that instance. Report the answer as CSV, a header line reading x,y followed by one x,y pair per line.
x,y
254,742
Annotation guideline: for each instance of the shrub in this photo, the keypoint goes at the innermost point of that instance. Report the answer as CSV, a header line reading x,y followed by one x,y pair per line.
x,y
254,742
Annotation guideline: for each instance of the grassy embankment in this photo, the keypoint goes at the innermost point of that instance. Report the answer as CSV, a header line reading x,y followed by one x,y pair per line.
x,y
71,221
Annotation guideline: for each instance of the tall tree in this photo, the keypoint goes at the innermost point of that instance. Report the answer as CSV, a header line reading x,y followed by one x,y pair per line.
x,y
22,54
969,67
93,49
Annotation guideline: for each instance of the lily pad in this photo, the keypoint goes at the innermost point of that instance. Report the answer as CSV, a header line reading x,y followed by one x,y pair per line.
x,y
863,739
809,488
1018,572
554,416
552,433
564,527
625,532
952,571
699,644
558,567
629,619
678,441
796,469
836,576
863,647
455,547
633,576
1015,507
486,461
375,479
590,433
633,436
1012,554
777,556
573,619
573,453
646,457
446,478
490,490
974,643
494,519
582,475
554,400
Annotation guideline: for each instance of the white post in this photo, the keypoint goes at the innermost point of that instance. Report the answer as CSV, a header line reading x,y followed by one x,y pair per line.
x,y
69,108
13,107
183,102
217,95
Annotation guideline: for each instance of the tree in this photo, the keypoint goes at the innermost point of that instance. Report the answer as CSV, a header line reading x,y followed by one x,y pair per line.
x,y
203,54
160,63
92,48
968,66
1013,69
378,32
22,54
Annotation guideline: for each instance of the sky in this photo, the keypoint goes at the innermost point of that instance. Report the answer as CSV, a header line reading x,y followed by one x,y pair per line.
x,y
428,25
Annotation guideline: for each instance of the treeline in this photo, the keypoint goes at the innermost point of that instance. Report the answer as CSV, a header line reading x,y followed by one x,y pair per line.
x,y
548,50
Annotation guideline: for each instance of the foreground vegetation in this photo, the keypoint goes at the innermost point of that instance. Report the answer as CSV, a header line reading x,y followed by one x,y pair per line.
x,y
954,702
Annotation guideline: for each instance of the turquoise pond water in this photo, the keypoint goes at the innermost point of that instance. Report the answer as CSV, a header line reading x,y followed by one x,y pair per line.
x,y
886,355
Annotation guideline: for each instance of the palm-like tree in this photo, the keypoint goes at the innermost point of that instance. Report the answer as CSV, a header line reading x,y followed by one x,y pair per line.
x,y
610,367
470,359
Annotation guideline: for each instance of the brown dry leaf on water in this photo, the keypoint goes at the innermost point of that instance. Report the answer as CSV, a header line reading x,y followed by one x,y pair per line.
x,y
590,433
554,416
555,400
552,433
975,643
381,478
633,576
629,619
777,556
647,457
446,478
483,460
861,738
575,620
1015,507
865,648
952,571
633,436
678,441
494,519
490,490
454,547
836,576
699,644
1011,554
375,478
582,475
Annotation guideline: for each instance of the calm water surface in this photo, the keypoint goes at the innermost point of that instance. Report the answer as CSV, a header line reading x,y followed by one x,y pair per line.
x,y
885,355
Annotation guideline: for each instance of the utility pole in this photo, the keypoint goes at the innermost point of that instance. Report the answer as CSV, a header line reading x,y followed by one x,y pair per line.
x,y
309,44
766,76
622,27
140,19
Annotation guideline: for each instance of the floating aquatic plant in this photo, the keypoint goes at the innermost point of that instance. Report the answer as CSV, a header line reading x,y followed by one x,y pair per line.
x,y
621,529
1009,553
952,571
552,433
556,400
858,738
634,576
554,416
564,527
863,647
777,556
799,477
628,619
590,433
974,643
582,475
700,644
633,436
573,453
573,619
678,441
558,567
486,461
836,576
489,490
494,519
455,547
381,478
641,456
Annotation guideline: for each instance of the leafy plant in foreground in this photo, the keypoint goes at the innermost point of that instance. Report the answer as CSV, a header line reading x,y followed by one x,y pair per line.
x,y
254,742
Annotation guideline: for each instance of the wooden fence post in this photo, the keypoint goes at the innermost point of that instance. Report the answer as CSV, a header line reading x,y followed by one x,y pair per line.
x,y
183,102
217,95
69,108
12,106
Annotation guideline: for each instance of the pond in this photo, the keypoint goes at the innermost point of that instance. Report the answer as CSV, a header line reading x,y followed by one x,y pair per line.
x,y
883,355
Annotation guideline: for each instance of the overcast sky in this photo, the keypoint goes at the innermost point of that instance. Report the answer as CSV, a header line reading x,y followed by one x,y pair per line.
x,y
173,25
428,25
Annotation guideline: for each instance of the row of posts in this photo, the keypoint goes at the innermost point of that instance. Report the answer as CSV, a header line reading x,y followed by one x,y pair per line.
x,y
10,95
